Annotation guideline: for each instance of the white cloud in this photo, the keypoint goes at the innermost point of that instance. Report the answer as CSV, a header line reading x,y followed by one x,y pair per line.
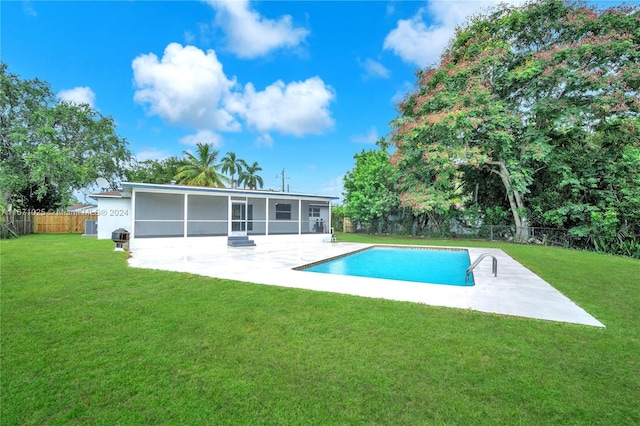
x,y
374,69
202,136
78,96
419,43
334,186
390,9
186,86
296,108
249,34
264,140
151,153
416,43
27,7
370,137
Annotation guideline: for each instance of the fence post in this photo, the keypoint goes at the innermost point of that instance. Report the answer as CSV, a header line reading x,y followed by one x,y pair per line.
x,y
490,232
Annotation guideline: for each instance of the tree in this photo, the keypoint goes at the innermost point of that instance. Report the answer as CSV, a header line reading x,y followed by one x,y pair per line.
x,y
232,165
154,171
201,169
596,190
513,91
337,217
370,188
249,178
51,148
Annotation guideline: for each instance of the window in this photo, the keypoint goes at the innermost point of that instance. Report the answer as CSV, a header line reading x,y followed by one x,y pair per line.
x,y
250,217
314,211
283,211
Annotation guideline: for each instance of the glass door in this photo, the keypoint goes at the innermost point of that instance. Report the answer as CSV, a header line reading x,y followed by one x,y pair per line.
x,y
238,218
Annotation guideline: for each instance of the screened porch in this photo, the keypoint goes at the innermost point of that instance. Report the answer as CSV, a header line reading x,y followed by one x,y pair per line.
x,y
163,214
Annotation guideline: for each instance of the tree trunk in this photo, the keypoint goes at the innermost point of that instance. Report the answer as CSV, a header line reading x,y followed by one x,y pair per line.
x,y
516,202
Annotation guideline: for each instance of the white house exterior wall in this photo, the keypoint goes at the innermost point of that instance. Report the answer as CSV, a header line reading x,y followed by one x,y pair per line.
x,y
113,213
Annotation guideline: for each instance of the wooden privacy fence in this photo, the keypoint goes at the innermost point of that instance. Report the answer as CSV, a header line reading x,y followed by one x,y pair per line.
x,y
59,223
13,224
348,226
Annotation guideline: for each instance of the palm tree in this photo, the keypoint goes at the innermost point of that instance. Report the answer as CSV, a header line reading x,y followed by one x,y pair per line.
x,y
232,165
201,169
249,178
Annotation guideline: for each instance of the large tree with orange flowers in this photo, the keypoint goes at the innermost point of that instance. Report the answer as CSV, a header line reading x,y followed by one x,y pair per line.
x,y
530,96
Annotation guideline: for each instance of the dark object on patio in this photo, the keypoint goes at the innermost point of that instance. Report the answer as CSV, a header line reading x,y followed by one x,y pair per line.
x,y
120,236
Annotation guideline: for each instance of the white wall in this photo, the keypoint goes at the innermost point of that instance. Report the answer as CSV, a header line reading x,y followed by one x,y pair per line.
x,y
324,215
113,213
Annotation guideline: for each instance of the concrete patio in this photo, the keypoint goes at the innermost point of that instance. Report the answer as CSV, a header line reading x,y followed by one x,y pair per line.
x,y
515,291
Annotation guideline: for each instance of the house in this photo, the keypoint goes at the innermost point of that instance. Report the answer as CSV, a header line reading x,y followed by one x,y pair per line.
x,y
176,215
82,209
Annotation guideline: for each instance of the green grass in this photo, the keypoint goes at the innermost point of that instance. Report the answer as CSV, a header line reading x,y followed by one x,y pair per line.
x,y
87,340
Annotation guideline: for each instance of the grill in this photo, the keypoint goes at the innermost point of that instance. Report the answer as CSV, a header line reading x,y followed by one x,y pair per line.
x,y
120,236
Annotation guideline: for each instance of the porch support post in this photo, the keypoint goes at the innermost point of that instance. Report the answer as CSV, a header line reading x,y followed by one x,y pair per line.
x,y
300,216
329,226
186,214
266,217
228,215
133,214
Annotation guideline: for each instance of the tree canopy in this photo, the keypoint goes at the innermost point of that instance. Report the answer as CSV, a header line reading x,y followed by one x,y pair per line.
x,y
201,169
249,176
532,116
154,171
51,148
370,188
542,97
233,165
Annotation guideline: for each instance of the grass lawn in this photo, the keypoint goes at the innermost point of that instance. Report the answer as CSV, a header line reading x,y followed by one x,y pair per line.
x,y
85,339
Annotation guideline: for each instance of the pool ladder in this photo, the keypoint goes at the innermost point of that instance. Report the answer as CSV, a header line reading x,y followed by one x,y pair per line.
x,y
494,269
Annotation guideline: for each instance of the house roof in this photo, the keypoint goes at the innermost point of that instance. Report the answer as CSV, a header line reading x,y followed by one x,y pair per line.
x,y
106,194
74,207
127,188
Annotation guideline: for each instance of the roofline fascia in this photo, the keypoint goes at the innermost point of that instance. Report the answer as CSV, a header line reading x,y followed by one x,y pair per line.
x,y
223,191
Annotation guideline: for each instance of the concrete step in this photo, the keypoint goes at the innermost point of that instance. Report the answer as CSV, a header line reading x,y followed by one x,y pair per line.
x,y
240,242
249,243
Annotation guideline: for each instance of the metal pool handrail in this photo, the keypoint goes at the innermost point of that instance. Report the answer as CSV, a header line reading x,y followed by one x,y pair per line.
x,y
494,269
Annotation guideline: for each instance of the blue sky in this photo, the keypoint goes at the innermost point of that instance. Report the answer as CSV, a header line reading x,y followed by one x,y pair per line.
x,y
299,85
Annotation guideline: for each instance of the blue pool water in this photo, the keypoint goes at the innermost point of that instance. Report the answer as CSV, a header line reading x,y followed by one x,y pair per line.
x,y
417,265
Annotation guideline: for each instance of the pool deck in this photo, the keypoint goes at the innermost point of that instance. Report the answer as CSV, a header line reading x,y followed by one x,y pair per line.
x,y
515,291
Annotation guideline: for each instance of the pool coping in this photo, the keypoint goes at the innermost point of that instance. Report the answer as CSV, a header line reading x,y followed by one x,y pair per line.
x,y
516,291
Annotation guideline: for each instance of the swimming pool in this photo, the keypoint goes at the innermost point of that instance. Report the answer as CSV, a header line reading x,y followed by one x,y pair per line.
x,y
433,266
